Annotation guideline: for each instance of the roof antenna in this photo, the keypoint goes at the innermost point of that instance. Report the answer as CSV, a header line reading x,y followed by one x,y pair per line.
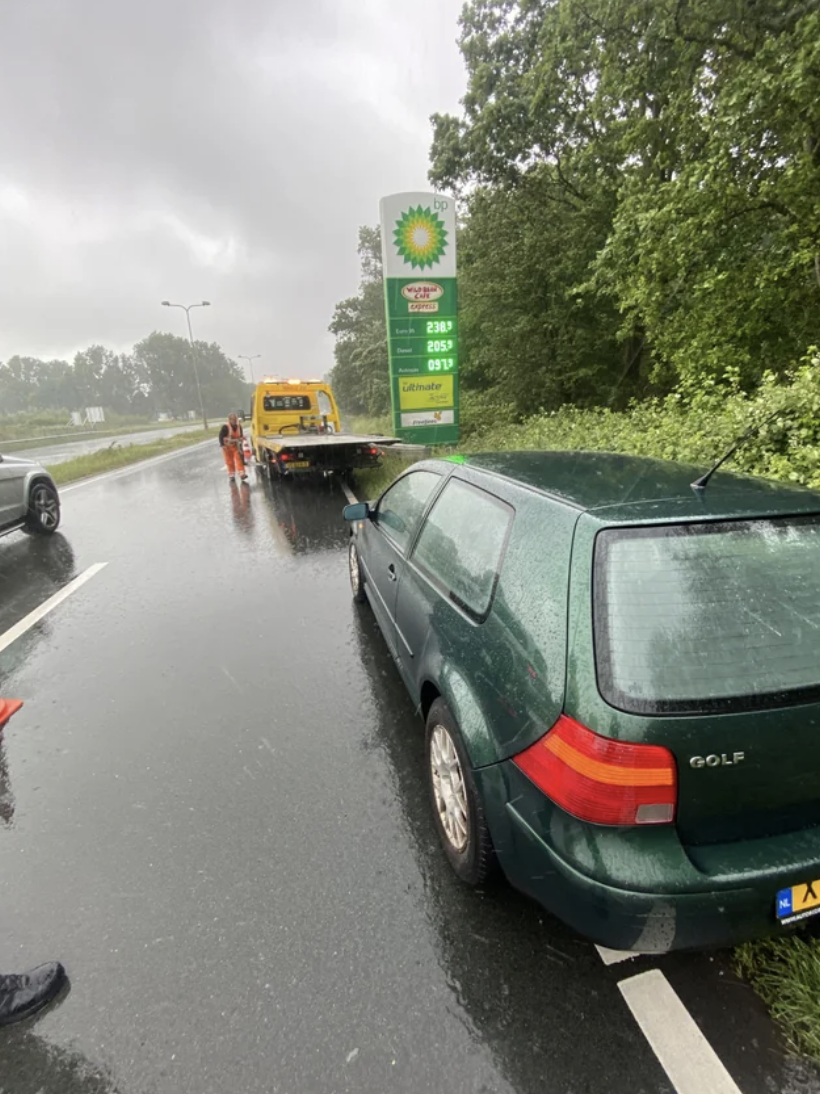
x,y
699,485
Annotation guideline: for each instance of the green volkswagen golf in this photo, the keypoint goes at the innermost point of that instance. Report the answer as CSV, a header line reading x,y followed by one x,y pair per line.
x,y
620,677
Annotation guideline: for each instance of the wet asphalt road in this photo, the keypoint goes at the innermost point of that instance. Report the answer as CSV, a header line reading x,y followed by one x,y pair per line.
x,y
68,450
212,809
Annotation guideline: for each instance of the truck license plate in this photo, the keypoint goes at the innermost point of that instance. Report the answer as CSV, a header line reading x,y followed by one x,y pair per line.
x,y
299,463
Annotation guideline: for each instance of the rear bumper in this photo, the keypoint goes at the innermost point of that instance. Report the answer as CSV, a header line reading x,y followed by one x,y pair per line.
x,y
333,463
628,920
627,889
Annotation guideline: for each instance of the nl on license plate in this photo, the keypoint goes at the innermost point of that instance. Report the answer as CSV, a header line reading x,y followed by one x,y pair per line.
x,y
299,463
798,902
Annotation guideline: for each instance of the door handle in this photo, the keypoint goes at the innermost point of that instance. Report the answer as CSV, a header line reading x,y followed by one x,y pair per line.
x,y
391,572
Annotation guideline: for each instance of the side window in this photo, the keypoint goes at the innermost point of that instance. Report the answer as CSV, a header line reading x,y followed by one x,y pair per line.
x,y
324,403
401,506
461,544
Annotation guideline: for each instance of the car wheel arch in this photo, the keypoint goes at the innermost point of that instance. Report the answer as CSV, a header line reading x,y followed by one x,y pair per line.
x,y
38,479
456,692
429,694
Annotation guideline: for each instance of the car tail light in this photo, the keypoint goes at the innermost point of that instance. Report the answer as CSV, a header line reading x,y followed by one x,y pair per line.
x,y
600,780
284,457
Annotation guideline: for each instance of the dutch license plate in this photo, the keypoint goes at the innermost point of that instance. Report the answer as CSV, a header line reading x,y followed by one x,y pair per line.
x,y
798,902
298,463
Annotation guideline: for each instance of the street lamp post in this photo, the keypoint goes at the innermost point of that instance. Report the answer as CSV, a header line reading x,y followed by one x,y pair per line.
x,y
187,309
244,357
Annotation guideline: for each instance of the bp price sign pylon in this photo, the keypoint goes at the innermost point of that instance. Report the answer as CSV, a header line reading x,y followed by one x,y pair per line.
x,y
421,305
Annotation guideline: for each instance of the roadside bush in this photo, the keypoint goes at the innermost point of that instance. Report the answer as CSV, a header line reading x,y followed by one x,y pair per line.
x,y
694,425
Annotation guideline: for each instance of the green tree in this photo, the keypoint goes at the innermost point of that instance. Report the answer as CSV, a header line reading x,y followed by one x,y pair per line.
x,y
164,366
715,249
157,376
680,139
19,380
529,340
360,376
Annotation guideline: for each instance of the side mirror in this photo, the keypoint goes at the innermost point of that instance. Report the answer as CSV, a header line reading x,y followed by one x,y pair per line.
x,y
359,511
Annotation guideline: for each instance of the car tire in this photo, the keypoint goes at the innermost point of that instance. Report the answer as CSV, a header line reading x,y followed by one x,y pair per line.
x,y
43,516
458,811
354,568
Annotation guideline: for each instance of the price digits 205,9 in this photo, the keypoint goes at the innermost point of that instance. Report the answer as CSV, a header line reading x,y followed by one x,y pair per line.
x,y
440,345
441,364
439,326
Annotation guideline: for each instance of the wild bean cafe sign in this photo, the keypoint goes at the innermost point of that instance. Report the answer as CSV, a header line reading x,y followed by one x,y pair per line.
x,y
419,254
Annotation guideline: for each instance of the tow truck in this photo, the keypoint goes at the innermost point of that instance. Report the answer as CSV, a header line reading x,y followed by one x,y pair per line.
x,y
296,431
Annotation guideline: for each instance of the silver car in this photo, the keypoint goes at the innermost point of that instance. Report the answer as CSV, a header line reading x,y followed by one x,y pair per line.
x,y
28,497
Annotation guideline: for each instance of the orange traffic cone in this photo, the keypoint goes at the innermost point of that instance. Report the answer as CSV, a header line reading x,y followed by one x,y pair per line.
x,y
7,708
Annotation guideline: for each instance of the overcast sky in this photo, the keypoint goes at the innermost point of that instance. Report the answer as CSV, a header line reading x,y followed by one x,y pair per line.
x,y
225,150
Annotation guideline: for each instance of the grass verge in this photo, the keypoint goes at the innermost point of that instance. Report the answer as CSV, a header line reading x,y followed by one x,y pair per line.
x,y
116,456
371,482
785,972
375,424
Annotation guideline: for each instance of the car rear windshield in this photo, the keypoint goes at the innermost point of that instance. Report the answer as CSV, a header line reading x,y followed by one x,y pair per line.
x,y
286,402
704,617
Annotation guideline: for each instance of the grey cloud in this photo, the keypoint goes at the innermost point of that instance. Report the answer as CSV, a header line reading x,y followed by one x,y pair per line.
x,y
212,149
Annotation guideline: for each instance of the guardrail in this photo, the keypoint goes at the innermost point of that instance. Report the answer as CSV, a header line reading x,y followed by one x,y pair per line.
x,y
55,436
419,450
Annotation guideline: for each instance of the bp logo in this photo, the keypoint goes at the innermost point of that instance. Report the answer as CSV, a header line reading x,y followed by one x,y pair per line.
x,y
420,237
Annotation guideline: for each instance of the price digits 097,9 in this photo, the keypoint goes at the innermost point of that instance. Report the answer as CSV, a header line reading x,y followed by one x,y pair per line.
x,y
441,364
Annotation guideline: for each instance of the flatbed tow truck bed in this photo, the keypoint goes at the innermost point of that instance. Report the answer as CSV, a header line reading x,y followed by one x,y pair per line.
x,y
318,453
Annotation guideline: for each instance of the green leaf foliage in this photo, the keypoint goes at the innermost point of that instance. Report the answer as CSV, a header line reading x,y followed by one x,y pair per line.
x,y
665,156
696,427
157,376
360,377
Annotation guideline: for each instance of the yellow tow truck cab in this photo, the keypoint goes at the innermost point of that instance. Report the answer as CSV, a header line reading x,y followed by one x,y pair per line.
x,y
293,406
296,431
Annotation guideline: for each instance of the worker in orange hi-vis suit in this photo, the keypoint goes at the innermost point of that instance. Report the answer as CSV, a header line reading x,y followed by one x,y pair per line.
x,y
230,441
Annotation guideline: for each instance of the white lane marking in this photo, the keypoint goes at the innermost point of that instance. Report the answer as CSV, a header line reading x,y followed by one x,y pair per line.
x,y
351,497
28,621
684,1053
121,473
612,957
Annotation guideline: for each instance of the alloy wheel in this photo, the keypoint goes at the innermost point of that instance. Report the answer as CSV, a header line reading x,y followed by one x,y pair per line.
x,y
448,788
45,507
